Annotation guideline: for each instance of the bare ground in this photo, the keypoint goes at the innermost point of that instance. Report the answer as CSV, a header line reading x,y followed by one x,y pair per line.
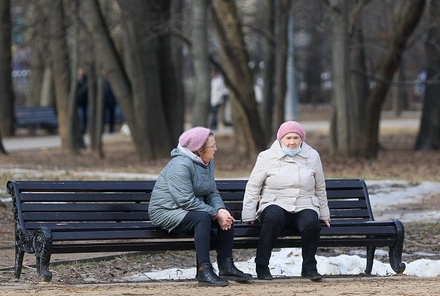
x,y
101,276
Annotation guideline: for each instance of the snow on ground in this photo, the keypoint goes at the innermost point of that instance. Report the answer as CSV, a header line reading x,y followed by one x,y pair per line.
x,y
287,263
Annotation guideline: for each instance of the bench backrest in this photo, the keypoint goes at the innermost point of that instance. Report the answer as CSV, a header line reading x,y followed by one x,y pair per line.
x,y
347,198
120,208
35,115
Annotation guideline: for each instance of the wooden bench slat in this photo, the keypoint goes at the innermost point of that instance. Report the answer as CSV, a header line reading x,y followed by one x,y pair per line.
x,y
66,226
347,204
107,235
85,186
351,213
61,197
85,216
127,246
59,207
345,194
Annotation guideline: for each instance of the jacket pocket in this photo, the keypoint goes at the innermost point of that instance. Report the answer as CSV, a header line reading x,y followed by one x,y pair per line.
x,y
315,201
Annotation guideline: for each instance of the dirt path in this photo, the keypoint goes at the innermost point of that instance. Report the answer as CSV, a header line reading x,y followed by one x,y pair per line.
x,y
398,285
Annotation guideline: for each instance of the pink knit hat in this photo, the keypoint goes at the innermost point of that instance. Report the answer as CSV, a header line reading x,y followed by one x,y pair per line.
x,y
291,127
194,138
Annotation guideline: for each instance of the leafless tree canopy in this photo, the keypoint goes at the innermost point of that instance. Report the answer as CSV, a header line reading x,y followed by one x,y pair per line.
x,y
357,57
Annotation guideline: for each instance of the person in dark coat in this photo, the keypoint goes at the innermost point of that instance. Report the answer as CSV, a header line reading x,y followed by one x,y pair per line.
x,y
82,99
109,106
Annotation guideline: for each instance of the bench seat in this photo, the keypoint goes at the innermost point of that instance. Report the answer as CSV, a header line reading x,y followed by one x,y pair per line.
x,y
107,216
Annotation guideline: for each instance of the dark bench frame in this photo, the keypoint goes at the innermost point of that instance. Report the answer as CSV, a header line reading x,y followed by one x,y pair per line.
x,y
36,117
108,216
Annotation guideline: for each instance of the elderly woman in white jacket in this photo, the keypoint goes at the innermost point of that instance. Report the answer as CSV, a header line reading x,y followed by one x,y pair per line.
x,y
286,188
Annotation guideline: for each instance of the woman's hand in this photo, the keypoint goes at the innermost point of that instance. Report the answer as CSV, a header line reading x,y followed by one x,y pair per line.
x,y
224,219
327,222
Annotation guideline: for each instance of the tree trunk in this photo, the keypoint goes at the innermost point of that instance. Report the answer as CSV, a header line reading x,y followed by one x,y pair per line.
x,y
177,112
61,75
267,105
239,78
72,114
340,127
112,65
37,49
359,90
171,90
390,63
96,136
283,8
313,70
200,109
7,95
153,78
428,137
47,97
2,148
146,85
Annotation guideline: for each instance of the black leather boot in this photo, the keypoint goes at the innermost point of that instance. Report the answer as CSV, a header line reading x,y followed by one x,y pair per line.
x,y
207,277
311,275
263,272
228,270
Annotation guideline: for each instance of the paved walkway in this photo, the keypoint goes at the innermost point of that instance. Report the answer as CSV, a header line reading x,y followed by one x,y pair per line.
x,y
45,142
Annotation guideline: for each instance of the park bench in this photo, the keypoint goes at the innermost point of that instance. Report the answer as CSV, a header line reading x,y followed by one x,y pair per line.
x,y
36,117
112,216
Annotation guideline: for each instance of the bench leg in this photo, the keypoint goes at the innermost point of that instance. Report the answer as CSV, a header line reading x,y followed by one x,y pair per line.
x,y
43,250
19,255
23,244
370,258
395,253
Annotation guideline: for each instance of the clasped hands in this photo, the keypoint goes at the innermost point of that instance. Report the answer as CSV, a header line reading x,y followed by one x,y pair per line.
x,y
224,219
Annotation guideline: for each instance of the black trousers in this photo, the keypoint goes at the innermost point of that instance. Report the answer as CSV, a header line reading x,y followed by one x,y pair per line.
x,y
200,224
274,219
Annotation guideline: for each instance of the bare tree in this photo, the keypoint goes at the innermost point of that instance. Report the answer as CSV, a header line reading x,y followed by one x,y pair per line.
x,y
143,76
269,68
428,137
311,20
200,55
66,108
239,78
282,17
343,121
354,134
405,25
7,96
37,18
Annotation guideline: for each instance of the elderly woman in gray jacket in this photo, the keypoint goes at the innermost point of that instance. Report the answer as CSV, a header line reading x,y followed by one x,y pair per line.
x,y
286,188
185,199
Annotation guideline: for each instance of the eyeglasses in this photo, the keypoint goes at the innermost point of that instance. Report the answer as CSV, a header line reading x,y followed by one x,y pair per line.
x,y
213,146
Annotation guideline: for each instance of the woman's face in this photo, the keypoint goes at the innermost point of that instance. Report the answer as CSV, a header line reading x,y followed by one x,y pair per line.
x,y
291,141
208,151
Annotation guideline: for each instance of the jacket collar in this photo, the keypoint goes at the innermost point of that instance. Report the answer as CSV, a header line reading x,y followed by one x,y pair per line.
x,y
183,151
